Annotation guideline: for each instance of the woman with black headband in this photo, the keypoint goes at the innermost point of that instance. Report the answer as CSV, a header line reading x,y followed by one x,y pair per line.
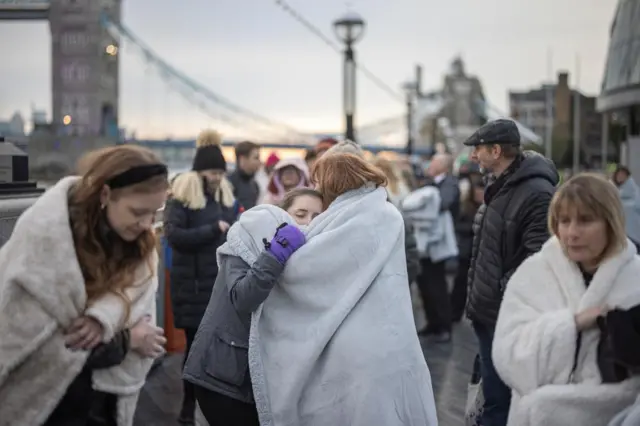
x,y
77,295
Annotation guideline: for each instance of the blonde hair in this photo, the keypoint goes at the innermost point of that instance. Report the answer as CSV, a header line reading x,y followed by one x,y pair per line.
x,y
592,194
390,171
337,173
189,190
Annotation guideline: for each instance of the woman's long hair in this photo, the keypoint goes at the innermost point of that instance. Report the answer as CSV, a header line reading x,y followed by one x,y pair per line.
x,y
469,206
335,174
390,171
109,267
589,193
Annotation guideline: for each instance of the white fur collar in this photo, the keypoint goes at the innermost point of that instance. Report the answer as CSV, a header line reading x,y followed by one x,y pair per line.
x,y
568,272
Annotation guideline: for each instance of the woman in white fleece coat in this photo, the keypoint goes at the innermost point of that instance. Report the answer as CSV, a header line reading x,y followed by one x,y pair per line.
x,y
77,295
548,344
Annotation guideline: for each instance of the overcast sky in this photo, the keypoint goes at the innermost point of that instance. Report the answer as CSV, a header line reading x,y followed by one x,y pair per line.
x,y
252,52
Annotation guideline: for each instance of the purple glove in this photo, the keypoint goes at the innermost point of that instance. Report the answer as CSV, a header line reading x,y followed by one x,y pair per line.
x,y
287,240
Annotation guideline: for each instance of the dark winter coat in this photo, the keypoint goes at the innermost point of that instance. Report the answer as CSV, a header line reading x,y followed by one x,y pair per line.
x,y
510,226
464,230
218,360
81,404
194,236
449,195
245,188
411,251
623,329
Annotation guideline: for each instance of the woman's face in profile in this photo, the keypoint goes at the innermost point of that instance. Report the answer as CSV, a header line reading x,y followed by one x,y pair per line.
x,y
304,208
132,214
583,235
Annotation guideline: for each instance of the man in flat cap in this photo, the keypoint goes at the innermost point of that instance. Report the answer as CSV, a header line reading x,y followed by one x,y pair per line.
x,y
510,226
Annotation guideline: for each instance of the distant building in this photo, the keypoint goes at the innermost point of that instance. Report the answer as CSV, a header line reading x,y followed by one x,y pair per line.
x,y
39,118
530,109
619,99
12,127
451,113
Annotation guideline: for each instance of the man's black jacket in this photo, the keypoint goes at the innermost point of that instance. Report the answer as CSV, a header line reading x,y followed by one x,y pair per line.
x,y
509,226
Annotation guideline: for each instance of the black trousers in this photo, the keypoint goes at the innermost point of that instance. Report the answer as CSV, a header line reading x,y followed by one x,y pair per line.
x,y
189,397
220,410
432,283
459,291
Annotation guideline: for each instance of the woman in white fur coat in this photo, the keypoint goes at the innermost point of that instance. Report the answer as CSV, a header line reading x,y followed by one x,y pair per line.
x,y
77,295
548,344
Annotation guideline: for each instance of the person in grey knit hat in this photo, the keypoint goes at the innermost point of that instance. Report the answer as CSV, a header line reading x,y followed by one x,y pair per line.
x,y
346,146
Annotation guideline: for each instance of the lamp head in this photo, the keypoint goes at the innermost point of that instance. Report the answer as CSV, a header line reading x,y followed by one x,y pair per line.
x,y
349,28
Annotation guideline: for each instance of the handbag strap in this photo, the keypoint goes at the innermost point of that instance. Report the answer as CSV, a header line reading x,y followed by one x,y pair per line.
x,y
576,355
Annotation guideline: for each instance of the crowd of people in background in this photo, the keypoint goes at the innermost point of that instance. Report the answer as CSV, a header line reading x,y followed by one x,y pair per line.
x,y
292,279
491,220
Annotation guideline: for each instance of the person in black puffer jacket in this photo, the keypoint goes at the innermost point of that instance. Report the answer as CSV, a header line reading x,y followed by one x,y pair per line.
x,y
510,226
197,217
464,233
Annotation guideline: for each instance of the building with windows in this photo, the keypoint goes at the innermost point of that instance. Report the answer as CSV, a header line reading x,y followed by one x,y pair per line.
x,y
619,100
12,127
84,69
530,109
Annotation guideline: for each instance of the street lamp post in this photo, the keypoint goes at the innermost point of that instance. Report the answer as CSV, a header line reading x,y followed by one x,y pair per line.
x,y
410,89
349,29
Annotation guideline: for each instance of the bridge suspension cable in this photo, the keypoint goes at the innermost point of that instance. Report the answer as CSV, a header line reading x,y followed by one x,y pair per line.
x,y
293,13
214,105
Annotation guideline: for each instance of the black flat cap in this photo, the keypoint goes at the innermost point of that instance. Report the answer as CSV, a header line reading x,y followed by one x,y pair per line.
x,y
500,132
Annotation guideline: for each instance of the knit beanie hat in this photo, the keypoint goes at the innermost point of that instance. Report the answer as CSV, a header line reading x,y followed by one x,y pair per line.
x,y
325,144
208,153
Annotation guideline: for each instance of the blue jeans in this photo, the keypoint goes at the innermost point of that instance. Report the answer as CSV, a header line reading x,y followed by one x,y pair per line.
x,y
497,396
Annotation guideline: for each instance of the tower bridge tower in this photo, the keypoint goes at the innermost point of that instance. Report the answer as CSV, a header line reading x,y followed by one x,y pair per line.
x,y
84,78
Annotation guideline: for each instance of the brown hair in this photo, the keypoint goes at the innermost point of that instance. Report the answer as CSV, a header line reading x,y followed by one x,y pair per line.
x,y
335,174
291,196
592,194
469,206
112,271
510,151
243,149
310,155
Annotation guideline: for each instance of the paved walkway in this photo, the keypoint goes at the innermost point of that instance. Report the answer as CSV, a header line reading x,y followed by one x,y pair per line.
x,y
450,366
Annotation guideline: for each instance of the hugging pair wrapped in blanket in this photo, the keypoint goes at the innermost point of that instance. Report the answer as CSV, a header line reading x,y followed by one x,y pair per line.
x,y
334,343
